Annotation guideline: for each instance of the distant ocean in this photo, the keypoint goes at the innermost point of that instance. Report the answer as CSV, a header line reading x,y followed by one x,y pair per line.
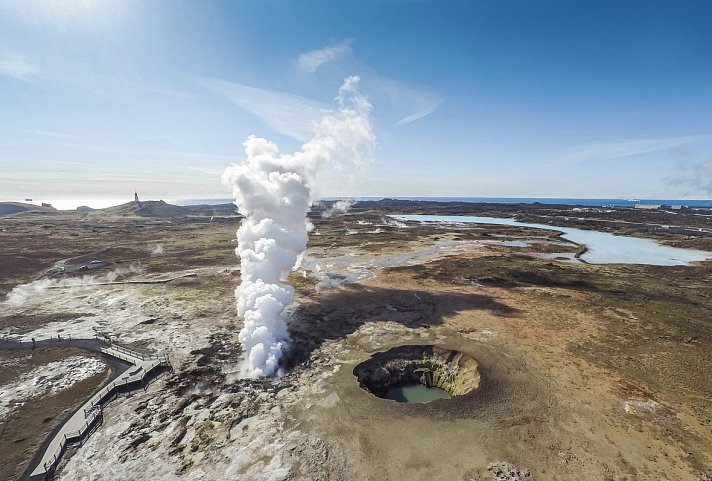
x,y
71,204
505,200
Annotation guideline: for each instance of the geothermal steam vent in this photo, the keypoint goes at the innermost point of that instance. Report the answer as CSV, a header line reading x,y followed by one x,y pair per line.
x,y
453,373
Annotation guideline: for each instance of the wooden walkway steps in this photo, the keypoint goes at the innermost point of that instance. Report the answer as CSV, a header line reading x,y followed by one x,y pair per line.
x,y
90,415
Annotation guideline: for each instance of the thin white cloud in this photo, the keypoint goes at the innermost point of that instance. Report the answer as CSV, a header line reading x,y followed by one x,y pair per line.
x,y
17,66
54,135
177,153
63,14
286,113
116,87
205,171
420,113
408,104
150,88
612,149
81,143
412,104
312,60
102,183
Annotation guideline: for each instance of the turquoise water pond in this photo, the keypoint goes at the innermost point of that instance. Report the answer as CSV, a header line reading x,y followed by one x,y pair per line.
x,y
415,393
603,248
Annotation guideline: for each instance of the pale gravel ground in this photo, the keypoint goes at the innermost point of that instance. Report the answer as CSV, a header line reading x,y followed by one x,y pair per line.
x,y
259,447
50,378
251,450
256,449
218,443
118,311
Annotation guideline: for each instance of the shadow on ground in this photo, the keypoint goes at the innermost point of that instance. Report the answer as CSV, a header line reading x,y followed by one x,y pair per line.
x,y
337,313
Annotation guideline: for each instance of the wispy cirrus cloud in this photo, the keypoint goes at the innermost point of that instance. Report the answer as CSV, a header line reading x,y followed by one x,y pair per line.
x,y
63,14
83,143
403,104
206,171
17,66
412,104
289,114
310,61
53,135
408,119
612,149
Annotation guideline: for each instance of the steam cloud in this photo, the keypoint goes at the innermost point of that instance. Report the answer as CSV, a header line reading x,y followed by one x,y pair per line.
x,y
275,192
696,177
36,290
337,208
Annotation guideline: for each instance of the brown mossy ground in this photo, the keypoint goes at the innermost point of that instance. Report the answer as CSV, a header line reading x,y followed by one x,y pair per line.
x,y
588,371
26,426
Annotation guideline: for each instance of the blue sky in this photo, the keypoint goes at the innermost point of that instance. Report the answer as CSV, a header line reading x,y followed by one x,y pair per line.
x,y
473,98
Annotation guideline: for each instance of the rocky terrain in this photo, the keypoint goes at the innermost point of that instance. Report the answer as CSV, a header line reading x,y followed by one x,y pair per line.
x,y
584,371
452,371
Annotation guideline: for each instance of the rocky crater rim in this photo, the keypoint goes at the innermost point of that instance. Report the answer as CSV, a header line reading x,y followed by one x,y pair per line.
x,y
453,371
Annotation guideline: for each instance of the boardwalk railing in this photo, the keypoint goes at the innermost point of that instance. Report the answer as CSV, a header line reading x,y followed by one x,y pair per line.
x,y
94,412
77,437
91,344
135,354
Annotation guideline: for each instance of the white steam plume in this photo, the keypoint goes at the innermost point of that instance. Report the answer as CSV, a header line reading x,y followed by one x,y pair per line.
x,y
337,208
275,192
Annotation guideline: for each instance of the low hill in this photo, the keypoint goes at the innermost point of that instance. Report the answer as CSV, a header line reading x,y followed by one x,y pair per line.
x,y
7,208
212,209
150,208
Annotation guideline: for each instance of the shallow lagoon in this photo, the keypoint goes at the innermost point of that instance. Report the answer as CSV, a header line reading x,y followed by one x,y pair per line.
x,y
603,248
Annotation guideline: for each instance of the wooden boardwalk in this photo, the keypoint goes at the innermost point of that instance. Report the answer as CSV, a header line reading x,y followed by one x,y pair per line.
x,y
76,429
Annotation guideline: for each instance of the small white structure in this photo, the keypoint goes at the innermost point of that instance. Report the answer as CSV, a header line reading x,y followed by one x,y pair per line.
x,y
648,206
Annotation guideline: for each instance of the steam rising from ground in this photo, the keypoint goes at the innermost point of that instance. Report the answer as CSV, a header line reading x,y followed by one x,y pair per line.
x,y
36,290
275,192
338,207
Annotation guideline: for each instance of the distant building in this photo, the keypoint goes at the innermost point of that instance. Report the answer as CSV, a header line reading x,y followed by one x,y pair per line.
x,y
136,197
648,206
28,200
676,207
45,204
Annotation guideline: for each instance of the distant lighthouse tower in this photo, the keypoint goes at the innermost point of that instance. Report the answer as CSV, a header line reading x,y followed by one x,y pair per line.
x,y
136,197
